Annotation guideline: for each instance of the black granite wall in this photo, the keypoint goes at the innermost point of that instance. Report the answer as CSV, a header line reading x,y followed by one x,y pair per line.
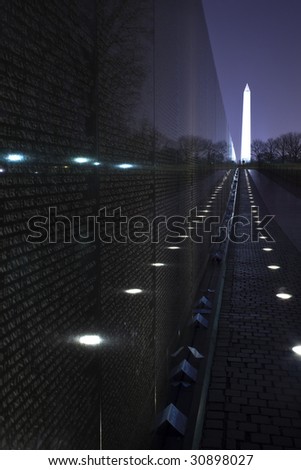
x,y
113,82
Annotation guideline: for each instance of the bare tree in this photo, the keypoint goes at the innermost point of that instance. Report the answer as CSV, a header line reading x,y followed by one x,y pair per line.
x,y
257,149
293,146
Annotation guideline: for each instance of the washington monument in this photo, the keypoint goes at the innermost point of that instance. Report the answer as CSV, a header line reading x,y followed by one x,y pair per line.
x,y
245,155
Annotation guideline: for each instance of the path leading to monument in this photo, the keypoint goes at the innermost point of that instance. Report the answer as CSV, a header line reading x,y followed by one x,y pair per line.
x,y
254,398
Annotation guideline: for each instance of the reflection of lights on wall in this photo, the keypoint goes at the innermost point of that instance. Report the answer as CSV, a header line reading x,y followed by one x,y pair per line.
x,y
297,350
2,170
96,163
81,160
133,291
282,294
15,157
90,340
125,166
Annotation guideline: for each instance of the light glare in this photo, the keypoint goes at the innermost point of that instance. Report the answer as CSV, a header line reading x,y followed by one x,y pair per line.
x,y
90,340
133,291
81,160
297,350
283,296
14,157
125,166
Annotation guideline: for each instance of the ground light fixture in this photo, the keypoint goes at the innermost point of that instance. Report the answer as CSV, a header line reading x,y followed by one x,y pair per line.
x,y
158,265
173,247
133,291
267,249
90,340
273,266
297,350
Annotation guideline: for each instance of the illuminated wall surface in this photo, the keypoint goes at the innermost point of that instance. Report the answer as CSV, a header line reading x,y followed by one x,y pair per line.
x,y
113,83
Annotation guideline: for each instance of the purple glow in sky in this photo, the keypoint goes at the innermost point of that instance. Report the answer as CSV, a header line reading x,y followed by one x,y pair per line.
x,y
258,42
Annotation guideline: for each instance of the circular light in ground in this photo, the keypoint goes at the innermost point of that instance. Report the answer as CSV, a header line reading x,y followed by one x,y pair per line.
x,y
90,340
173,247
297,350
157,265
267,249
273,266
133,291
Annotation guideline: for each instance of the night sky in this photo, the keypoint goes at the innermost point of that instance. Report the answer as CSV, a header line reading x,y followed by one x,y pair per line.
x,y
258,42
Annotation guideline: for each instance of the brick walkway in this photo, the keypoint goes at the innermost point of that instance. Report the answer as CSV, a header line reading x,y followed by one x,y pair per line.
x,y
254,399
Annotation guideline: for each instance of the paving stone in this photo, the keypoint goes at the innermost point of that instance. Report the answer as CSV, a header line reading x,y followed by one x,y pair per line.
x,y
283,441
260,438
269,429
214,424
248,427
269,411
212,439
216,396
291,432
251,410
249,446
237,416
289,413
297,443
279,421
239,400
215,414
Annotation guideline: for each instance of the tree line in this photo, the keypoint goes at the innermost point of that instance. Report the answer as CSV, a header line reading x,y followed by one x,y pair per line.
x,y
285,148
